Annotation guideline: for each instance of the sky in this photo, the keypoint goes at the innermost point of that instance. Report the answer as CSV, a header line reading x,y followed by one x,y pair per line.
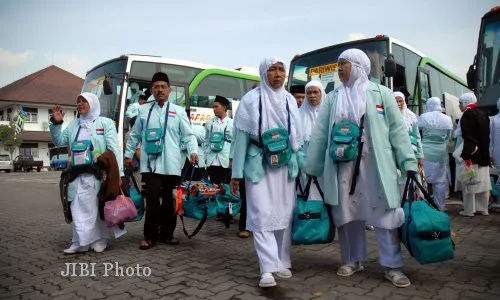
x,y
78,35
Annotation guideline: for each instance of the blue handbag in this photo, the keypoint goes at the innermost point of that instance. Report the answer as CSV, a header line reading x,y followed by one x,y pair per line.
x,y
135,194
426,232
312,220
192,204
227,203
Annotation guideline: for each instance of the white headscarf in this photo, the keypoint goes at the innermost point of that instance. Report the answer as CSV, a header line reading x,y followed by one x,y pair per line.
x,y
94,111
274,111
352,94
134,97
410,117
498,104
434,118
467,99
309,113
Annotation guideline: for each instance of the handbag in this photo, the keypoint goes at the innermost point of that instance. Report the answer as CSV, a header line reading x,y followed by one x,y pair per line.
x,y
217,139
312,219
81,152
120,210
227,204
135,194
426,232
155,138
275,142
195,199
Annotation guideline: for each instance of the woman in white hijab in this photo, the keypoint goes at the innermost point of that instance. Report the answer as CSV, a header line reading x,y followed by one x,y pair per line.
x,y
436,131
270,190
89,230
314,99
411,122
474,129
374,197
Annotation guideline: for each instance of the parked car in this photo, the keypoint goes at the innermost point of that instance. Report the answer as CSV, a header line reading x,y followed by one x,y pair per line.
x,y
59,162
5,163
27,163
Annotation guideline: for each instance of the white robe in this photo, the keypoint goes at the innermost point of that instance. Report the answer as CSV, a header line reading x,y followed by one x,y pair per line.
x,y
271,201
367,203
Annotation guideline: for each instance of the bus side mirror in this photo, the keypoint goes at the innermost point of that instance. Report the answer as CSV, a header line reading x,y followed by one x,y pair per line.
x,y
107,87
390,66
471,77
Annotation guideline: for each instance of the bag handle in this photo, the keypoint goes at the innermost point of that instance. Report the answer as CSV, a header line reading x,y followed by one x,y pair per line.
x,y
427,197
260,120
311,179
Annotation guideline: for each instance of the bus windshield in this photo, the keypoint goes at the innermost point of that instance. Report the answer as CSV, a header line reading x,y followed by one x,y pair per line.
x,y
321,65
110,104
489,60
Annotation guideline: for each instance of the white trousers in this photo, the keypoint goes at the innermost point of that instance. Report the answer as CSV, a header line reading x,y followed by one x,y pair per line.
x,y
440,189
353,245
273,249
477,202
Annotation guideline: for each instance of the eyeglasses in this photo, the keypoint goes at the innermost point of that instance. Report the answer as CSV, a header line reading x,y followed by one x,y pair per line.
x,y
162,87
80,101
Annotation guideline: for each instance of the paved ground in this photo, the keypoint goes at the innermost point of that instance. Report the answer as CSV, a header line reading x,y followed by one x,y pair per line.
x,y
216,264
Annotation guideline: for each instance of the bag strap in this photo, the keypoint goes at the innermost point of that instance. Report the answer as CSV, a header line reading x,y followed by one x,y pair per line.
x,y
188,194
198,228
307,190
163,136
260,120
358,158
129,176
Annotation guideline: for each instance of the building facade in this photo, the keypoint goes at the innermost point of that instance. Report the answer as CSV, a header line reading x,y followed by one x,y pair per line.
x,y
37,94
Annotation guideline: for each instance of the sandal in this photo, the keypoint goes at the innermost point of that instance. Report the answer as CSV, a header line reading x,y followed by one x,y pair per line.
x,y
244,234
145,245
397,278
349,269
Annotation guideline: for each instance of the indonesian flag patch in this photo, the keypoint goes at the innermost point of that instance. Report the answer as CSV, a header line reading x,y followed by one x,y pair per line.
x,y
172,114
99,131
380,109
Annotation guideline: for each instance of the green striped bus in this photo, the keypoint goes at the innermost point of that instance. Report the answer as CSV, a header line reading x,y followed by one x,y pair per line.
x,y
193,85
414,72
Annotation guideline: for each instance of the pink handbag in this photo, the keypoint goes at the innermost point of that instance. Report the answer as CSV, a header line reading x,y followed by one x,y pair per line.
x,y
120,210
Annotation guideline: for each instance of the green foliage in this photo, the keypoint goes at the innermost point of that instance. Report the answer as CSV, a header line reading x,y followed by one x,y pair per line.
x,y
8,138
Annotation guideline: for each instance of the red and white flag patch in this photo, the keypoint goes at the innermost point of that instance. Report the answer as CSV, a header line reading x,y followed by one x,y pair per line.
x,y
380,109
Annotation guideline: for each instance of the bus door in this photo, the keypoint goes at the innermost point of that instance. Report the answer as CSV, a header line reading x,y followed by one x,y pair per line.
x,y
424,89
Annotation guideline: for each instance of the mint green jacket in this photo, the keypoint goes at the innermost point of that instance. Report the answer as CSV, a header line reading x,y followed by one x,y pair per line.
x,y
389,137
171,161
225,127
248,159
103,137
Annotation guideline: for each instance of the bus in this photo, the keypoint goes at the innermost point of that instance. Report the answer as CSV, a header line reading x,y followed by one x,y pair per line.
x,y
193,85
393,64
483,76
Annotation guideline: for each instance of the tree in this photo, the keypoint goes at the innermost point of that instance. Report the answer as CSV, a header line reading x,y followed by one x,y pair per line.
x,y
8,138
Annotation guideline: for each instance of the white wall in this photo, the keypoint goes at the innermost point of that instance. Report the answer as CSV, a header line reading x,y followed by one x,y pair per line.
x,y
41,125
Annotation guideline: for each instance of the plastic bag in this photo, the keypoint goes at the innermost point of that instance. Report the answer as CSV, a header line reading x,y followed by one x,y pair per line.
x,y
468,175
118,211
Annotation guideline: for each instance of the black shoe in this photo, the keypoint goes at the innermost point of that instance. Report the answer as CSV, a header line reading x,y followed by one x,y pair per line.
x,y
172,241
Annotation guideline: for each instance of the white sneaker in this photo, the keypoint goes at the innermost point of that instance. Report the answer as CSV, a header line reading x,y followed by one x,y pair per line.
x,y
463,213
285,274
99,245
267,280
74,248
